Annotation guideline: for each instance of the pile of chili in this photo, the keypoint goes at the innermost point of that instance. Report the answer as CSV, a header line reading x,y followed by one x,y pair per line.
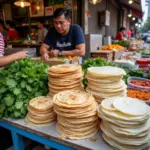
x,y
139,94
141,83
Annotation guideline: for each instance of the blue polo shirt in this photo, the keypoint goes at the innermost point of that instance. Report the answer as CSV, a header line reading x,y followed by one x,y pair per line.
x,y
74,37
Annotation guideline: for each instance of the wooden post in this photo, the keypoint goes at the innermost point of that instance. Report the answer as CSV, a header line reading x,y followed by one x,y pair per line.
x,y
29,20
85,16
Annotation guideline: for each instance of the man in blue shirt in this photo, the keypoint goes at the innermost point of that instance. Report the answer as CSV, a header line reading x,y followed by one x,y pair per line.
x,y
65,39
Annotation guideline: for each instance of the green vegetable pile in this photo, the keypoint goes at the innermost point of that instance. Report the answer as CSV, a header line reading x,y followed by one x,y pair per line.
x,y
148,75
134,73
15,42
20,82
144,52
124,43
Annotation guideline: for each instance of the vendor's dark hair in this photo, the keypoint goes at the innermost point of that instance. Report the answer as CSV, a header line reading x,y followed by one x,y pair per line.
x,y
10,23
62,11
42,21
122,29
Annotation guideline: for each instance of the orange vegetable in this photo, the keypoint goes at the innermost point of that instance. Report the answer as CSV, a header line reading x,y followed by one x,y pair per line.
x,y
141,83
139,94
69,57
112,47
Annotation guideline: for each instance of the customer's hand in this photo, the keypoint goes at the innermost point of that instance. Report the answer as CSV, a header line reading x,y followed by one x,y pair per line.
x,y
54,53
21,54
44,56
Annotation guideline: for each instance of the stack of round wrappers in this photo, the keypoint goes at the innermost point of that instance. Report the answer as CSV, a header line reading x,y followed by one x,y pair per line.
x,y
77,116
125,123
105,82
64,77
40,111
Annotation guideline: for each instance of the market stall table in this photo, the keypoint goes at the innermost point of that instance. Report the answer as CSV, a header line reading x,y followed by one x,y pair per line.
x,y
48,135
27,46
107,55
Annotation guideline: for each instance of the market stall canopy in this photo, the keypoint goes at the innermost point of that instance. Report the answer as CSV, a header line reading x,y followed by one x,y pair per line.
x,y
136,7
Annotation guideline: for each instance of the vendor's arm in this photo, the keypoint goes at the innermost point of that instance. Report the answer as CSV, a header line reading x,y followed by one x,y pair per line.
x,y
79,51
44,51
4,60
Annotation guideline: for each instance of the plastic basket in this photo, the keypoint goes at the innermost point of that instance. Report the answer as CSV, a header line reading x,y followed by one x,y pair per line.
x,y
133,86
146,101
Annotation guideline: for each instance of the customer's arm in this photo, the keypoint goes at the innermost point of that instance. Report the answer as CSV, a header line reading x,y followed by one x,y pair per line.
x,y
4,60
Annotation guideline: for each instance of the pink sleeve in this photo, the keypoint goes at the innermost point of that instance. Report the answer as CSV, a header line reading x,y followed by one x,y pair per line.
x,y
1,45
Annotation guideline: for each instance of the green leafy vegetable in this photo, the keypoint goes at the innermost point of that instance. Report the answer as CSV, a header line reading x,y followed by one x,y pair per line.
x,y
20,82
18,104
148,75
124,43
144,52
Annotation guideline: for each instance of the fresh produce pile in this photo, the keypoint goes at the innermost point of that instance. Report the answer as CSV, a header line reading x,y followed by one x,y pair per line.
x,y
124,43
148,75
141,83
144,52
139,94
112,47
135,73
20,82
15,42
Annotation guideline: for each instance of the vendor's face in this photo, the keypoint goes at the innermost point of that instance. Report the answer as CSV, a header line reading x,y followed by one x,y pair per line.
x,y
7,26
124,31
39,25
62,24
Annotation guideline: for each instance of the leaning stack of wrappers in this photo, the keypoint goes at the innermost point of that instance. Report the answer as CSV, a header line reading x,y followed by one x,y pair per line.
x,y
105,82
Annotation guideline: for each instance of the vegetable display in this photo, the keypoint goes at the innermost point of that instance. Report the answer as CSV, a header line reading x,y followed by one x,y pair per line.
x,y
135,73
20,82
148,75
141,83
144,52
124,43
112,47
139,94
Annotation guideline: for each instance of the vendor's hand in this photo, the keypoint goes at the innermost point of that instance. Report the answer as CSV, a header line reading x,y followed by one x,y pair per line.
x,y
44,56
54,53
21,54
